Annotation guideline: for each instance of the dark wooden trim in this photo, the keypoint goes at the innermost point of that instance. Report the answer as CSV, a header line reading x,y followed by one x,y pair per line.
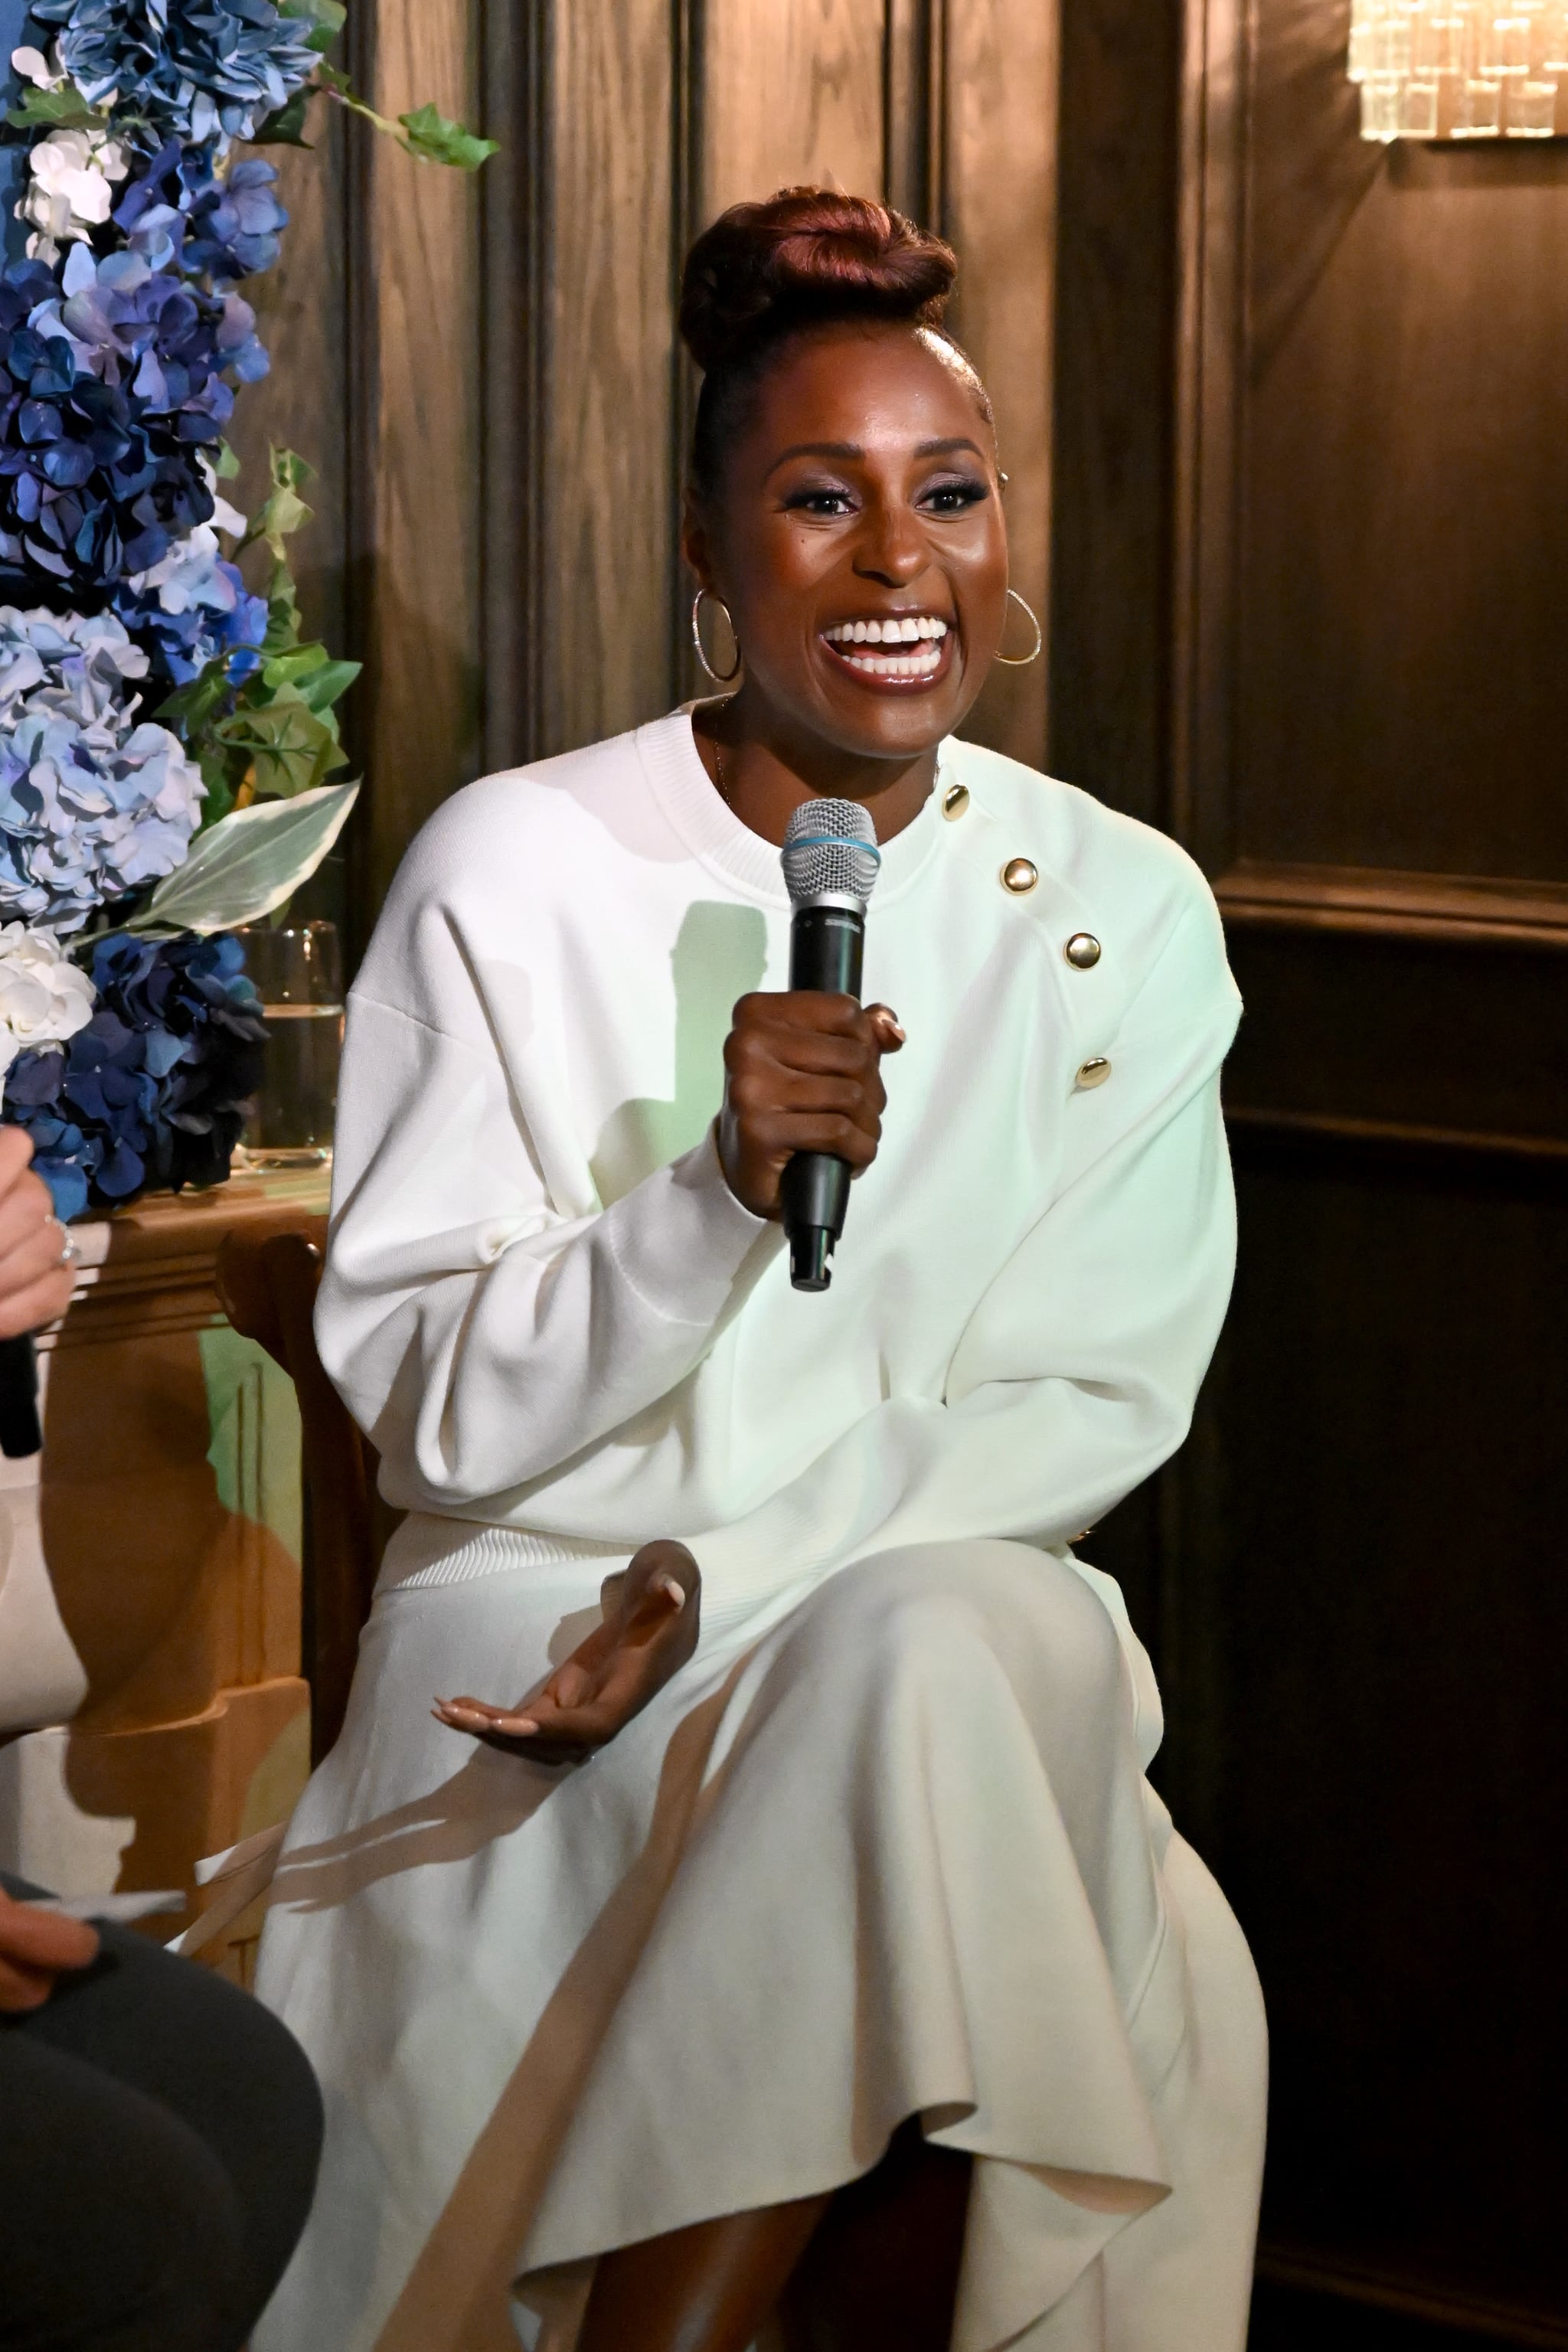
x,y
1251,1118
1210,385
912,94
1461,909
513,193
1319,2275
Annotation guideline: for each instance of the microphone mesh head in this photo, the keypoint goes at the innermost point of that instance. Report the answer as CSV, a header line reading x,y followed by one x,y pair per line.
x,y
830,850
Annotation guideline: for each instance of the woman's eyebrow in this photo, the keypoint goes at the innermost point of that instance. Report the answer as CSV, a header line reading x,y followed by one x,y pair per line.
x,y
852,452
848,449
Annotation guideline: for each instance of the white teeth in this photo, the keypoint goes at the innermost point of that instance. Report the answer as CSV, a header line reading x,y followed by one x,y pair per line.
x,y
908,629
921,664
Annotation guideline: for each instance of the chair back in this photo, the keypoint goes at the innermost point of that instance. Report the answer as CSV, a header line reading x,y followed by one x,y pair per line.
x,y
268,1276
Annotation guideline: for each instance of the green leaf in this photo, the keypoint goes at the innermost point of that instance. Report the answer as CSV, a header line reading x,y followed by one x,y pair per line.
x,y
284,511
290,668
282,612
240,869
191,706
326,685
286,128
227,463
56,109
437,141
326,17
290,748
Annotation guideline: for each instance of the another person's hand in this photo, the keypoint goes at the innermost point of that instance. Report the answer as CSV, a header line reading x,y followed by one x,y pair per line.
x,y
35,1947
803,1072
650,1635
35,1288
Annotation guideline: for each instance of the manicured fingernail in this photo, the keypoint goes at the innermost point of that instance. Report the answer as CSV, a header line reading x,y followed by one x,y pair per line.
x,y
525,1727
676,1589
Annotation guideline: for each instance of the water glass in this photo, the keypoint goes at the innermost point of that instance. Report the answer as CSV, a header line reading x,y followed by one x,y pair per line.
x,y
298,972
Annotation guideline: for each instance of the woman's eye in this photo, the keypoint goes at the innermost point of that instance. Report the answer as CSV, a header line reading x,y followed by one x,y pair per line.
x,y
953,497
820,502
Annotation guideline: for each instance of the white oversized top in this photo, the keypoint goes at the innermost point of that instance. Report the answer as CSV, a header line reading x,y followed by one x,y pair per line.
x,y
550,1313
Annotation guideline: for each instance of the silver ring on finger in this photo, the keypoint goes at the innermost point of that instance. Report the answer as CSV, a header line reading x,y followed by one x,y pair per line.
x,y
69,1250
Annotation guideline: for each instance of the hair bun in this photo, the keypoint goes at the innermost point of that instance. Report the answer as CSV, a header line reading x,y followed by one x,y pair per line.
x,y
805,255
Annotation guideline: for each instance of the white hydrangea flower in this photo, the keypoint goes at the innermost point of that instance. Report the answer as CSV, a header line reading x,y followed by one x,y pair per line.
x,y
71,189
34,67
44,998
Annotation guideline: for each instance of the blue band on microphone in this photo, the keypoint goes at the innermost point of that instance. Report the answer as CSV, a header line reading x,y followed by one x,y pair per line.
x,y
836,841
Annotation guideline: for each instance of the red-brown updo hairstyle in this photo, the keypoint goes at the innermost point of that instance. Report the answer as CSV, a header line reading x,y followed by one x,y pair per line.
x,y
805,257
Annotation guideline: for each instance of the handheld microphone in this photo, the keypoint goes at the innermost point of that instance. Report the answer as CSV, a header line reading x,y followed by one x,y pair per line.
x,y
20,1433
830,861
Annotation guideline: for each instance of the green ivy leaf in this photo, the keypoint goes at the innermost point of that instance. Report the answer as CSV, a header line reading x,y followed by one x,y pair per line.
x,y
328,683
437,141
327,17
227,463
283,511
289,748
286,128
191,706
56,110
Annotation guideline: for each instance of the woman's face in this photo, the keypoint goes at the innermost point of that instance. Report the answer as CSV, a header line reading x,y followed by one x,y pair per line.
x,y
858,539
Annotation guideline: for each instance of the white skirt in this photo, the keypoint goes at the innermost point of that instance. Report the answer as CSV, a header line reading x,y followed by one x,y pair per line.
x,y
883,1848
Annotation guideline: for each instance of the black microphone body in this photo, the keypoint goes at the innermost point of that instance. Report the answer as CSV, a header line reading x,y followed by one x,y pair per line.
x,y
827,946
20,1435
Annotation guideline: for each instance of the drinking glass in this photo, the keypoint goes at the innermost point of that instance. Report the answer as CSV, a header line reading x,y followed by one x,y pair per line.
x,y
298,972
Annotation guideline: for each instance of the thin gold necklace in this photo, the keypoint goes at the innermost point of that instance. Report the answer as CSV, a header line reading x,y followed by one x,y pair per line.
x,y
719,777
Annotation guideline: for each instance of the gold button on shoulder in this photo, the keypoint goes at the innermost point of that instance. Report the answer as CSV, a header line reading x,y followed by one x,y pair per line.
x,y
954,801
1094,1072
1082,952
1019,874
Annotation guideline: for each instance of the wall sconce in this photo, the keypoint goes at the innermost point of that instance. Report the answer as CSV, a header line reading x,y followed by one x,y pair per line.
x,y
1459,68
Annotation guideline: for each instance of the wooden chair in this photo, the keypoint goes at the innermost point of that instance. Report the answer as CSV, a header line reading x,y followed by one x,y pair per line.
x,y
266,1278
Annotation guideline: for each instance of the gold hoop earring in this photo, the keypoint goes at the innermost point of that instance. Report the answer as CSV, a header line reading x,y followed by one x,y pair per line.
x,y
719,677
1022,661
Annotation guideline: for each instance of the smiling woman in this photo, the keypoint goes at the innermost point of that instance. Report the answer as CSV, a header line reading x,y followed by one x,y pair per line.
x,y
845,493
785,1935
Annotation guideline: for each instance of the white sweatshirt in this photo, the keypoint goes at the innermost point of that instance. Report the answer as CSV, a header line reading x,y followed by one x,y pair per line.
x,y
552,1315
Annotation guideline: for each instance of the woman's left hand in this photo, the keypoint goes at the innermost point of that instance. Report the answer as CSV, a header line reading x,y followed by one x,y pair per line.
x,y
648,1636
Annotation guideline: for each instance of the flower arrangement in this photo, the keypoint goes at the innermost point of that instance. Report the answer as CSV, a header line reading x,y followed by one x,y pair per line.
x,y
169,737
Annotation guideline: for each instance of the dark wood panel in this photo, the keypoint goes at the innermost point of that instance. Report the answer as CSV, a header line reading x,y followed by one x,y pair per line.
x,y
417,504
1109,596
999,84
1340,1023
1370,1595
1405,488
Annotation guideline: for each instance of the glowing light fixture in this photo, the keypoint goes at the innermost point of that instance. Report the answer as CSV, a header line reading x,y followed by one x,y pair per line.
x,y
1459,68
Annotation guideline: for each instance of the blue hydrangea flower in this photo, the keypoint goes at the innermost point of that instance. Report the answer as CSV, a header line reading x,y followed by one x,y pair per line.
x,y
154,1090
203,69
193,607
92,804
180,213
112,381
149,333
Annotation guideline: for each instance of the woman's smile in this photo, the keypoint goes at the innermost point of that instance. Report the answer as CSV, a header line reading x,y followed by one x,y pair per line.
x,y
891,652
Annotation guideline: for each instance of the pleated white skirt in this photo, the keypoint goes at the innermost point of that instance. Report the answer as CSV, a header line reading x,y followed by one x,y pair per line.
x,y
883,1848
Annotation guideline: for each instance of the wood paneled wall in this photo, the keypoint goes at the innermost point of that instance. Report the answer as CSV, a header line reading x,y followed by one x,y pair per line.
x,y
1310,520
486,372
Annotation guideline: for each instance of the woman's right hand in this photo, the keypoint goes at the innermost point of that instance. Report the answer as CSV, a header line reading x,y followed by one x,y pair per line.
x,y
34,1947
35,1288
803,1072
